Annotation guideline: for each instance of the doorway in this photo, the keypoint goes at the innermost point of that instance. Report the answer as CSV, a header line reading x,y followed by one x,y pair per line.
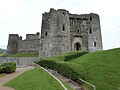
x,y
77,46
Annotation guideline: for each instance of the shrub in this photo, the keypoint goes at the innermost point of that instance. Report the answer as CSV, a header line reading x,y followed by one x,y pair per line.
x,y
74,54
67,69
66,56
1,69
70,70
8,67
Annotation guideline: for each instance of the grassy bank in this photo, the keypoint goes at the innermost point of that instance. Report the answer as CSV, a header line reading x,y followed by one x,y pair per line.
x,y
36,79
24,54
103,68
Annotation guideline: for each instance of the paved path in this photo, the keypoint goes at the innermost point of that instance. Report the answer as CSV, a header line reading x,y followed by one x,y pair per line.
x,y
71,83
9,77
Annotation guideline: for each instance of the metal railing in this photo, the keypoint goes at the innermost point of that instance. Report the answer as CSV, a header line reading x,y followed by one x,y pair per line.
x,y
94,88
52,76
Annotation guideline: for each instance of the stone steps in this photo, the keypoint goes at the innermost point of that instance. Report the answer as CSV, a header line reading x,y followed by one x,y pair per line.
x,y
71,83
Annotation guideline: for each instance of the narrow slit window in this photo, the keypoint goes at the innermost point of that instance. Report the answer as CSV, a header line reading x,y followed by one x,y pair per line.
x,y
95,44
46,33
63,28
78,31
90,31
90,18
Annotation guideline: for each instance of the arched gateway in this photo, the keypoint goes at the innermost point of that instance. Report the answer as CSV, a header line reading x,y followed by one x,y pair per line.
x,y
77,46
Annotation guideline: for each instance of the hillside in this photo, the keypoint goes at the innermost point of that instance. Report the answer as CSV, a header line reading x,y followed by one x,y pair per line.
x,y
102,67
2,50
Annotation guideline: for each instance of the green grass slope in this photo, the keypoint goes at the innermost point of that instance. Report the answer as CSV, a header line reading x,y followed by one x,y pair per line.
x,y
66,56
68,69
102,67
35,79
24,54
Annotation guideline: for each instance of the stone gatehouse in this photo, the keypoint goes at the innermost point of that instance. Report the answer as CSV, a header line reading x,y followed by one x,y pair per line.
x,y
61,32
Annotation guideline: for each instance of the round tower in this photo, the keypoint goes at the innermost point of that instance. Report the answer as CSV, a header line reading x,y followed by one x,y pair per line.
x,y
12,47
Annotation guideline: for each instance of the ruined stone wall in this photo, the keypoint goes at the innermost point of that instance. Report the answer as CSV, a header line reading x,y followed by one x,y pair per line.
x,y
29,45
20,61
32,36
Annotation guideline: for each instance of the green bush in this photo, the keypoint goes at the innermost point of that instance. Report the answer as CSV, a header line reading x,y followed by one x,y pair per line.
x,y
8,67
67,69
1,69
74,54
66,56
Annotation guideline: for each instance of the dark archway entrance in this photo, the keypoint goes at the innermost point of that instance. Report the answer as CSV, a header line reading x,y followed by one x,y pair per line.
x,y
77,46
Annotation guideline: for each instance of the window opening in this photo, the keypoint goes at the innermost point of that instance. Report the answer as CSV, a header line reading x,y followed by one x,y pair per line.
x,y
90,18
90,31
77,46
46,33
63,28
63,13
78,31
95,44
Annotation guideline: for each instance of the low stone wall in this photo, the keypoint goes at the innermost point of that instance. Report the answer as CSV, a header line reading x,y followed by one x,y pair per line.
x,y
20,61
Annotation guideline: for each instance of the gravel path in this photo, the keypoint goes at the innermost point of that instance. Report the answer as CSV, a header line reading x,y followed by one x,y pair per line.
x,y
9,77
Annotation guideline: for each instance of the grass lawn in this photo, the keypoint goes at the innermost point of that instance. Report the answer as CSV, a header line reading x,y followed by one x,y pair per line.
x,y
102,67
35,79
24,54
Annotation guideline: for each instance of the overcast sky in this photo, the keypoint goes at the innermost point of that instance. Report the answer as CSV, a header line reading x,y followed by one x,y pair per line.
x,y
24,17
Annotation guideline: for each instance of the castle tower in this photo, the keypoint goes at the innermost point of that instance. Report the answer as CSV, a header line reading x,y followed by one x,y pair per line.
x,y
62,32
94,33
55,33
12,47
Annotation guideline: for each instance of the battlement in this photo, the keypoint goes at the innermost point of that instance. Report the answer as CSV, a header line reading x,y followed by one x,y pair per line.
x,y
32,36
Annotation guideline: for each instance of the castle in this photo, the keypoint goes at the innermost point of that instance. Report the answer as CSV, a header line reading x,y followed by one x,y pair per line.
x,y
61,32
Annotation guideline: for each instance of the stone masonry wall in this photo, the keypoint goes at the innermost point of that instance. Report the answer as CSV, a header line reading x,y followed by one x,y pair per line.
x,y
62,32
29,45
20,61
